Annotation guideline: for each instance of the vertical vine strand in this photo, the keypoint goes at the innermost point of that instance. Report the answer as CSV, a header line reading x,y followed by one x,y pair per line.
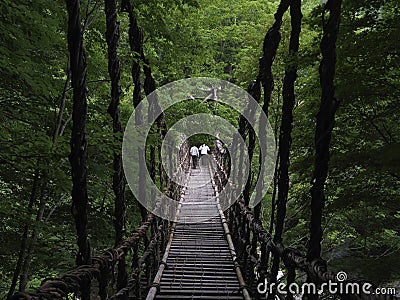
x,y
323,131
324,125
78,156
114,71
265,76
136,47
285,138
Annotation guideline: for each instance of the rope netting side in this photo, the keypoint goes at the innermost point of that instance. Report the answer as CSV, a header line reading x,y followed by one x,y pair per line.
x,y
145,268
145,260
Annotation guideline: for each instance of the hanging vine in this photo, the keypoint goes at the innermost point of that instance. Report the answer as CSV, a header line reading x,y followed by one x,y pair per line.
x,y
78,156
114,71
324,126
285,138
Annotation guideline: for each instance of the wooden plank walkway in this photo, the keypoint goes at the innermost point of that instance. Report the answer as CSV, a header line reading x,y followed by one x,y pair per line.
x,y
199,265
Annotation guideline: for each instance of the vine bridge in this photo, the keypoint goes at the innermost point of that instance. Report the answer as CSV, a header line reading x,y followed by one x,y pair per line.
x,y
205,252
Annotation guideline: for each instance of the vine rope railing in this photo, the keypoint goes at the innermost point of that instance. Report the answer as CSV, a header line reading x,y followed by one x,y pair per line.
x,y
239,216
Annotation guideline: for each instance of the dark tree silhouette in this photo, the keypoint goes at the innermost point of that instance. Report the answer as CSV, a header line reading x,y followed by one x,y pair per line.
x,y
24,237
265,75
114,71
270,46
136,46
285,138
78,156
324,126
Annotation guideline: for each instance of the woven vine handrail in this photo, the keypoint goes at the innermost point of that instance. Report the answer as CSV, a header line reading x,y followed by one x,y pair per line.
x,y
72,281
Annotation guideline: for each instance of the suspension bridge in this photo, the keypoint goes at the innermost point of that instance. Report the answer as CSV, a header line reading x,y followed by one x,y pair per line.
x,y
205,253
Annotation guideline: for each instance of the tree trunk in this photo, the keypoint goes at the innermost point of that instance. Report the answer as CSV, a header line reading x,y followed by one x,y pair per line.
x,y
62,106
23,281
78,156
24,237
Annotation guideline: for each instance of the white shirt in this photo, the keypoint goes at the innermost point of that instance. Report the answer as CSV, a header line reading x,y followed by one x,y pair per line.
x,y
204,149
194,151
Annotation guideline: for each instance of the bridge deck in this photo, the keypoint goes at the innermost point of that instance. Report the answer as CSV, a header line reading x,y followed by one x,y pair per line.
x,y
199,263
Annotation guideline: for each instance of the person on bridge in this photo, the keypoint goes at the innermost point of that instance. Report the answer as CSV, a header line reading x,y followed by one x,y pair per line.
x,y
194,152
203,153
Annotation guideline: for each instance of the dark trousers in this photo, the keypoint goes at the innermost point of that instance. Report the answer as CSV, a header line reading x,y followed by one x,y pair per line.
x,y
194,160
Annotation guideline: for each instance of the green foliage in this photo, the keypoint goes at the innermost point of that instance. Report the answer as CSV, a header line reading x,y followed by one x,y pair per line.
x,y
362,197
